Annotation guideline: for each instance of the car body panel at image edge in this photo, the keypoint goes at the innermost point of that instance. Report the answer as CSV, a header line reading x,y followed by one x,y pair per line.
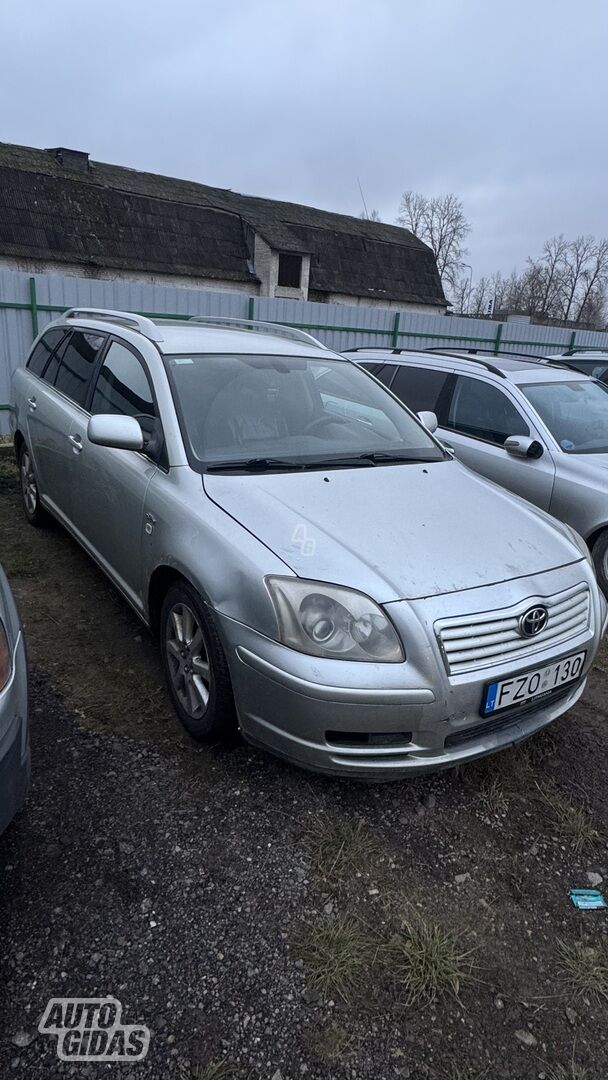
x,y
14,731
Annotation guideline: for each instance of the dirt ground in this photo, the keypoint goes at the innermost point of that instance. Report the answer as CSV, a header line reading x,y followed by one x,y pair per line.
x,y
267,924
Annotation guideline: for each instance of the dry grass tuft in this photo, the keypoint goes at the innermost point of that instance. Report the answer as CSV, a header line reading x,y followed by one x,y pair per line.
x,y
453,1071
572,822
572,1071
337,954
584,970
568,1072
427,961
215,1070
339,849
492,796
328,1042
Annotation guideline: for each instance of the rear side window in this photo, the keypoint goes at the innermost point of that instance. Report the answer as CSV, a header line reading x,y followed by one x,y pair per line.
x,y
422,389
122,387
598,369
484,412
76,363
384,372
39,357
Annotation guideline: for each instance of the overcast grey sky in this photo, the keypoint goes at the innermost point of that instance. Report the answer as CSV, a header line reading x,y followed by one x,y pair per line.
x,y
503,104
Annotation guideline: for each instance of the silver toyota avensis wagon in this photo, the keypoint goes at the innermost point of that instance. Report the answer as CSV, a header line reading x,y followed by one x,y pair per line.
x,y
313,561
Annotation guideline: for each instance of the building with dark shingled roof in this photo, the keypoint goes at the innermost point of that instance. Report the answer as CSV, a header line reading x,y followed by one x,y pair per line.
x,y
60,210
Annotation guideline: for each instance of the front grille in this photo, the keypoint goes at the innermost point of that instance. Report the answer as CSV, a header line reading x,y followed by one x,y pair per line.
x,y
487,639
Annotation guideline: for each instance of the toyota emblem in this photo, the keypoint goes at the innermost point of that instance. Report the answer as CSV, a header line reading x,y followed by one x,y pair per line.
x,y
533,621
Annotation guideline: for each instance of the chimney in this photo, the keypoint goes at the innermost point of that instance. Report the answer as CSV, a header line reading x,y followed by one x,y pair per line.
x,y
76,160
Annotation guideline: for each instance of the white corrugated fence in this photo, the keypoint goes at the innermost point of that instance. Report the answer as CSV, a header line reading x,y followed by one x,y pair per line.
x,y
28,302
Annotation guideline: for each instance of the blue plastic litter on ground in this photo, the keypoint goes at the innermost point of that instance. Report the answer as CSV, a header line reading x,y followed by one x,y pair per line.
x,y
587,899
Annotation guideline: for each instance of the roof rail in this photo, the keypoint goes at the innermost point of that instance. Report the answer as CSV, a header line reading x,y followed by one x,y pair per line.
x,y
120,318
259,327
379,348
586,349
465,351
473,354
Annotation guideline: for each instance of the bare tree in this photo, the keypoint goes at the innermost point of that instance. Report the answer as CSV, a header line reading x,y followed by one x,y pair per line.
x,y
440,222
372,216
568,281
593,278
553,257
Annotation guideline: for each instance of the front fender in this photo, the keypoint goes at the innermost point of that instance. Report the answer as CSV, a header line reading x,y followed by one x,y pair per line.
x,y
194,537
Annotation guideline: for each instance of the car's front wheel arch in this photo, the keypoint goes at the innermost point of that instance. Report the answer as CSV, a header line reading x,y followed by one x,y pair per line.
x,y
598,545
195,663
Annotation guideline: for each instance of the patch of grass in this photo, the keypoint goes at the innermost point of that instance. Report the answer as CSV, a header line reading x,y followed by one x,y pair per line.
x,y
215,1070
339,849
337,954
492,796
9,476
509,772
568,1072
572,822
328,1042
427,961
584,970
463,1072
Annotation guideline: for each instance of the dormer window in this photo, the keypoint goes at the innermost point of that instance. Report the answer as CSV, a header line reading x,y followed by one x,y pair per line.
x,y
290,270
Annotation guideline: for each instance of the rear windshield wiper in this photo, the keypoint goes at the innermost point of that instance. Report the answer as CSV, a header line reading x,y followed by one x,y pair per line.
x,y
257,464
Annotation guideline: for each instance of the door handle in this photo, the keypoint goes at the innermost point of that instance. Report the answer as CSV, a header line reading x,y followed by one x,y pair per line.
x,y
76,442
32,403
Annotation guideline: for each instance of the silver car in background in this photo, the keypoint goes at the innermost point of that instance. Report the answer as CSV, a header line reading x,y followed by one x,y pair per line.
x,y
314,564
14,732
533,425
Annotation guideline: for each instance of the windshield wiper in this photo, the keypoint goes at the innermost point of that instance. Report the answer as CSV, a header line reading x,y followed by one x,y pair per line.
x,y
272,464
256,464
382,457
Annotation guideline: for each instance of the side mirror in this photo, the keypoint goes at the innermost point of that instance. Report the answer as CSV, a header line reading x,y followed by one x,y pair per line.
x,y
119,432
523,446
429,420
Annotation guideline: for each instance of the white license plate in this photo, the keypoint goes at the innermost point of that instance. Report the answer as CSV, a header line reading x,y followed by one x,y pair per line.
x,y
522,688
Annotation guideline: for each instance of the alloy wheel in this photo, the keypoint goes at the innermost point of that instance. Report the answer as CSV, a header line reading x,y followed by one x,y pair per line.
x,y
188,660
28,484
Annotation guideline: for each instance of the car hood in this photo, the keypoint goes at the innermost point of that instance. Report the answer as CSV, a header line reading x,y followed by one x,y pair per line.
x,y
395,532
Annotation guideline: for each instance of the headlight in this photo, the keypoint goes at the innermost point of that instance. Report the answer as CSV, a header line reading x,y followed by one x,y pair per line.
x,y
330,621
6,666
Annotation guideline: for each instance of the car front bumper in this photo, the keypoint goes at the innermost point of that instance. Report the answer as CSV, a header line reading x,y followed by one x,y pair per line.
x,y
14,738
385,721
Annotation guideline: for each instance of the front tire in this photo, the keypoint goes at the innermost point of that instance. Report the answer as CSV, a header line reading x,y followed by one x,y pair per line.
x,y
30,496
600,561
195,665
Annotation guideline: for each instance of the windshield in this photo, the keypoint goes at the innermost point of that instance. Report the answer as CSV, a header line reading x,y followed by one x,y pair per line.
x,y
576,413
289,412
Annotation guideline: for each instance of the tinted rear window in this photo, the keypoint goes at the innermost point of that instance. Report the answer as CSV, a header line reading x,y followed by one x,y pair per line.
x,y
421,388
384,372
40,355
77,363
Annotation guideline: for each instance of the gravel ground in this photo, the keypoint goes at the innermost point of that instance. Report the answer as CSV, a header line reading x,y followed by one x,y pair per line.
x,y
186,881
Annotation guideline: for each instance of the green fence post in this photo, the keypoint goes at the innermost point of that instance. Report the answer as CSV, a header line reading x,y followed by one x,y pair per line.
x,y
498,337
395,337
34,306
251,309
571,342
